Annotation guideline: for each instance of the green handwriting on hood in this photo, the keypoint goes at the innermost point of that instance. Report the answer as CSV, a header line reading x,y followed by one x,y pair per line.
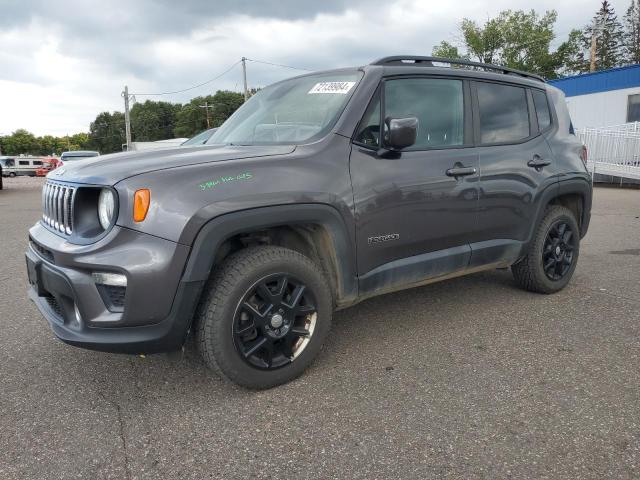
x,y
225,179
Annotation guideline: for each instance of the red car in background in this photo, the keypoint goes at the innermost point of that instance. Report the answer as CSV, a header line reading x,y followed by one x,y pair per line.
x,y
48,164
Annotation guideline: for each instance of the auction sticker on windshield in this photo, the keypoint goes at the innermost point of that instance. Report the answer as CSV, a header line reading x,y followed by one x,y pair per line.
x,y
332,87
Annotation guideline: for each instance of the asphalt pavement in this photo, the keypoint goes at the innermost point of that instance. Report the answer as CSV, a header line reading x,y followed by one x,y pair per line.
x,y
468,378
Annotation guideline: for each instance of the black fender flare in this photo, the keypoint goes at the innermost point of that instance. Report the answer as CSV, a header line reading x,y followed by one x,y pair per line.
x,y
576,185
215,231
581,186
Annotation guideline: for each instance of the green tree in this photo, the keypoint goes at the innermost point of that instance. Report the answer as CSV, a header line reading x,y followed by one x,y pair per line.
x,y
571,57
151,121
107,132
446,50
631,22
47,145
192,117
515,39
20,142
609,37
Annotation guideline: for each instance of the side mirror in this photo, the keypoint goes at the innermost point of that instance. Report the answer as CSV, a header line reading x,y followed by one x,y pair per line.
x,y
401,132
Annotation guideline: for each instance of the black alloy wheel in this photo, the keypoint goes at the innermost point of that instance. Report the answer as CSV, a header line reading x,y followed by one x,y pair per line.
x,y
264,316
552,254
274,321
559,246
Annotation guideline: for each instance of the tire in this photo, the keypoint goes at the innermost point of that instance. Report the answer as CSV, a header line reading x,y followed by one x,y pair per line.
x,y
12,174
235,300
530,273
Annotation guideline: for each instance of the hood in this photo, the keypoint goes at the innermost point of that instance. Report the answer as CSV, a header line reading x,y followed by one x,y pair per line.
x,y
111,169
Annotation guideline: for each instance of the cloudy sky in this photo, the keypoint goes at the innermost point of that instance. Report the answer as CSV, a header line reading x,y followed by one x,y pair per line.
x,y
64,61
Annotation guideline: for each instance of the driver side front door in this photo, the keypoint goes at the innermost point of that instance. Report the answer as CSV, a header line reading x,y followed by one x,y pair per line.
x,y
416,209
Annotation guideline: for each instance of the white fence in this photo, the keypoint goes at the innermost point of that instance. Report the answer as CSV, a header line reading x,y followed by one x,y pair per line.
x,y
613,150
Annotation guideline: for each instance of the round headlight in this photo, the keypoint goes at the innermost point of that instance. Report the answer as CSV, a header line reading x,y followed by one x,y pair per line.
x,y
106,208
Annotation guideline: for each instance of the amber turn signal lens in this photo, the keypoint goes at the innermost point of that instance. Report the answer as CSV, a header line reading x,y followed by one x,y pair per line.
x,y
141,201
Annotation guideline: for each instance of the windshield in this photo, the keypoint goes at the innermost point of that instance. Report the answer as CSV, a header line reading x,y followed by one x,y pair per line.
x,y
295,111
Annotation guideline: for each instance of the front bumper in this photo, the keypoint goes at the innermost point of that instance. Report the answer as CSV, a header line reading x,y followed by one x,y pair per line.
x,y
158,307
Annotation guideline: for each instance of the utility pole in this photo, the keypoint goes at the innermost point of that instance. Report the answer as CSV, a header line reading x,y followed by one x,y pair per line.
x,y
127,119
244,76
206,107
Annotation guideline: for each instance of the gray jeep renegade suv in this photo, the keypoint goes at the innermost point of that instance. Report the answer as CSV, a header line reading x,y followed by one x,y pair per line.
x,y
319,192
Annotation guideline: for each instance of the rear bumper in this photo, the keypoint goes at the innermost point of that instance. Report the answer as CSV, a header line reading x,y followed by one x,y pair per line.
x,y
62,287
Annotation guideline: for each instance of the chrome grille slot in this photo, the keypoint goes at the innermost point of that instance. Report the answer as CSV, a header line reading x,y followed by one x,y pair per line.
x,y
57,206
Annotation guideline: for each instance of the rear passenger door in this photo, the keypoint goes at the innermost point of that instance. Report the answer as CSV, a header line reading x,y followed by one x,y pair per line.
x,y
516,162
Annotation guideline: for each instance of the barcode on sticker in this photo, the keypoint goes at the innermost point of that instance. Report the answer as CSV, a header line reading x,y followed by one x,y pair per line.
x,y
332,87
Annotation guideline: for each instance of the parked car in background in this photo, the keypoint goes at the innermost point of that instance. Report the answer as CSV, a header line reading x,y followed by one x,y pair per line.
x,y
48,164
20,166
201,138
157,145
74,155
6,164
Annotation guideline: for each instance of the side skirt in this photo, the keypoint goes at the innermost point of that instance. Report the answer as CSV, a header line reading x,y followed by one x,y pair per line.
x,y
436,266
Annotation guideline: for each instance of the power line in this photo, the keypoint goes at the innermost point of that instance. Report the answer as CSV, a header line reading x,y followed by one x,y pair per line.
x,y
278,65
190,88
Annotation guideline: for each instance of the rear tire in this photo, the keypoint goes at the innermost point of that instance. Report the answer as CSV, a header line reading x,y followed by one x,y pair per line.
x,y
264,316
552,255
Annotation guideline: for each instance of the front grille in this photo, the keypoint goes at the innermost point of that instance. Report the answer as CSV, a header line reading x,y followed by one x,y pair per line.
x,y
57,206
44,252
55,306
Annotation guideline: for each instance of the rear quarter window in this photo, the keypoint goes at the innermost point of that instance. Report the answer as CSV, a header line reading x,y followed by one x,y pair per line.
x,y
542,109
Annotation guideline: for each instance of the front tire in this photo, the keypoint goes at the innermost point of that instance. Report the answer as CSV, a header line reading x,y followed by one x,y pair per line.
x,y
552,255
264,316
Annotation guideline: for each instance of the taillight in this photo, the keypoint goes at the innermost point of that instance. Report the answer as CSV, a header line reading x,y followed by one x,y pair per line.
x,y
583,154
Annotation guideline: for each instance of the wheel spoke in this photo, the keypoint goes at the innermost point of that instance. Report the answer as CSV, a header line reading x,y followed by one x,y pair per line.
x,y
296,296
561,229
257,345
566,238
264,292
255,311
269,354
281,287
306,309
287,346
550,263
246,329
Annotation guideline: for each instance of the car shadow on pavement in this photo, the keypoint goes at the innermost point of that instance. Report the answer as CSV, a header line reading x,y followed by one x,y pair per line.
x,y
392,317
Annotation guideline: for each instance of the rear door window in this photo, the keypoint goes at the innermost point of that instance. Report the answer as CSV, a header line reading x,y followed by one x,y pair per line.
x,y
504,114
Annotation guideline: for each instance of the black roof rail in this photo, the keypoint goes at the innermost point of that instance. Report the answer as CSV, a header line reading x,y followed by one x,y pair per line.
x,y
429,62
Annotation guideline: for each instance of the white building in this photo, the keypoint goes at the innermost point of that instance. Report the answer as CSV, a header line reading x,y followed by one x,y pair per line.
x,y
602,99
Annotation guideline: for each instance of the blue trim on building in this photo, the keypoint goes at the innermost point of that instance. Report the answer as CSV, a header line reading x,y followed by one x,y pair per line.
x,y
603,81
